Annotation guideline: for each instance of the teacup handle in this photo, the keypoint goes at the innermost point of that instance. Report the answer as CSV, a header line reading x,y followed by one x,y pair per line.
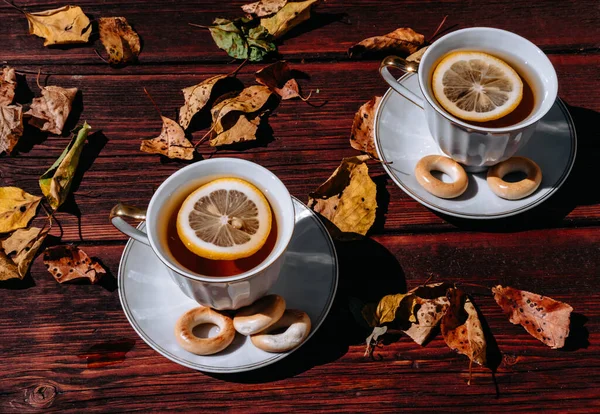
x,y
404,66
124,210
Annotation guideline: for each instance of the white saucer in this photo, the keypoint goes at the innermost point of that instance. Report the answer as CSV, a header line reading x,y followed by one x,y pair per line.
x,y
152,302
402,139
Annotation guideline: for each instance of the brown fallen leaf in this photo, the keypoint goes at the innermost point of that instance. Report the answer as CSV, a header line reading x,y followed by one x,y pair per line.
x,y
17,208
65,25
11,127
348,198
68,262
264,8
288,17
243,130
278,77
416,57
363,138
250,100
8,84
544,318
427,314
21,247
50,111
196,98
121,42
391,307
8,268
401,41
461,327
171,142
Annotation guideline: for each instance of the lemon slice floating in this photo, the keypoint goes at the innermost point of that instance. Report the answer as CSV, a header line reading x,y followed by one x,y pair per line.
x,y
475,86
226,219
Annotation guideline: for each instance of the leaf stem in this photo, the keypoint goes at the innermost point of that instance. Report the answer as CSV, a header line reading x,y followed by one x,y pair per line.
x,y
437,31
10,3
205,136
100,56
193,24
234,73
153,102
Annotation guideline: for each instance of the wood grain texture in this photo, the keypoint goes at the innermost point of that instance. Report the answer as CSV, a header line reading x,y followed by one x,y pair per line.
x,y
69,348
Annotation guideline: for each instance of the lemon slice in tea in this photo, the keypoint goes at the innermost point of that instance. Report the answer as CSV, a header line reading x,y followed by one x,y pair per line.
x,y
226,219
476,86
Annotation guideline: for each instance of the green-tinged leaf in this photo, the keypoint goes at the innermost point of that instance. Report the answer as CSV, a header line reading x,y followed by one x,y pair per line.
x,y
56,182
290,16
17,208
242,38
21,248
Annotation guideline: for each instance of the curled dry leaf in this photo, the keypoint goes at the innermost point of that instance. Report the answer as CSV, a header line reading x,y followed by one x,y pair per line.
x,y
8,268
462,329
121,42
401,41
56,182
362,137
373,339
171,142
242,131
544,318
391,307
278,77
21,248
8,84
264,7
69,263
196,98
250,100
427,314
416,57
65,25
11,127
50,111
348,198
288,17
242,38
17,208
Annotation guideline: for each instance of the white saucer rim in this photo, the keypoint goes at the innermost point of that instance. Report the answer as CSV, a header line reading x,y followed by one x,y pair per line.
x,y
231,370
534,203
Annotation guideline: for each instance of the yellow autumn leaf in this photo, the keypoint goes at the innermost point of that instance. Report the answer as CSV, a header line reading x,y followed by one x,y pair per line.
x,y
67,24
121,42
196,97
16,208
288,17
22,247
242,131
251,99
171,142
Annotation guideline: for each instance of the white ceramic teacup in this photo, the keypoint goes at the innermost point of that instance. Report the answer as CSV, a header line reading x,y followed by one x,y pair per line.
x,y
230,292
474,146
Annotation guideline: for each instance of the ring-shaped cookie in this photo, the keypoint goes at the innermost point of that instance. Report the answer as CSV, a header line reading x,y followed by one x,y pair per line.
x,y
204,346
260,315
437,187
297,327
520,189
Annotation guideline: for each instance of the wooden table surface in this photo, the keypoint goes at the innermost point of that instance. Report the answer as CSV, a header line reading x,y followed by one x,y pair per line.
x,y
69,347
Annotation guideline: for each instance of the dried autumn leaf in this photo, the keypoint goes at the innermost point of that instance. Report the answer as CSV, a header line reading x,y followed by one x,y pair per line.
x,y
401,41
69,263
16,208
250,100
278,77
373,339
50,111
196,98
121,42
242,38
171,142
56,182
390,306
461,327
11,127
288,17
8,268
8,84
22,246
363,138
544,318
348,198
243,130
416,57
264,7
427,314
65,25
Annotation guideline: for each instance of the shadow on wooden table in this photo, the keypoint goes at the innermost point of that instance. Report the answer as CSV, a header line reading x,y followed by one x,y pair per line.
x,y
580,188
368,271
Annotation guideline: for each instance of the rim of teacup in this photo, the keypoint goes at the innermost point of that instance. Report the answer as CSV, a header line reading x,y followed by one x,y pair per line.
x,y
280,248
521,125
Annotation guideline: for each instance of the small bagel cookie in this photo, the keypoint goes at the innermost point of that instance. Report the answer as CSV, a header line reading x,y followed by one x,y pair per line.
x,y
260,315
520,189
297,324
437,187
204,346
